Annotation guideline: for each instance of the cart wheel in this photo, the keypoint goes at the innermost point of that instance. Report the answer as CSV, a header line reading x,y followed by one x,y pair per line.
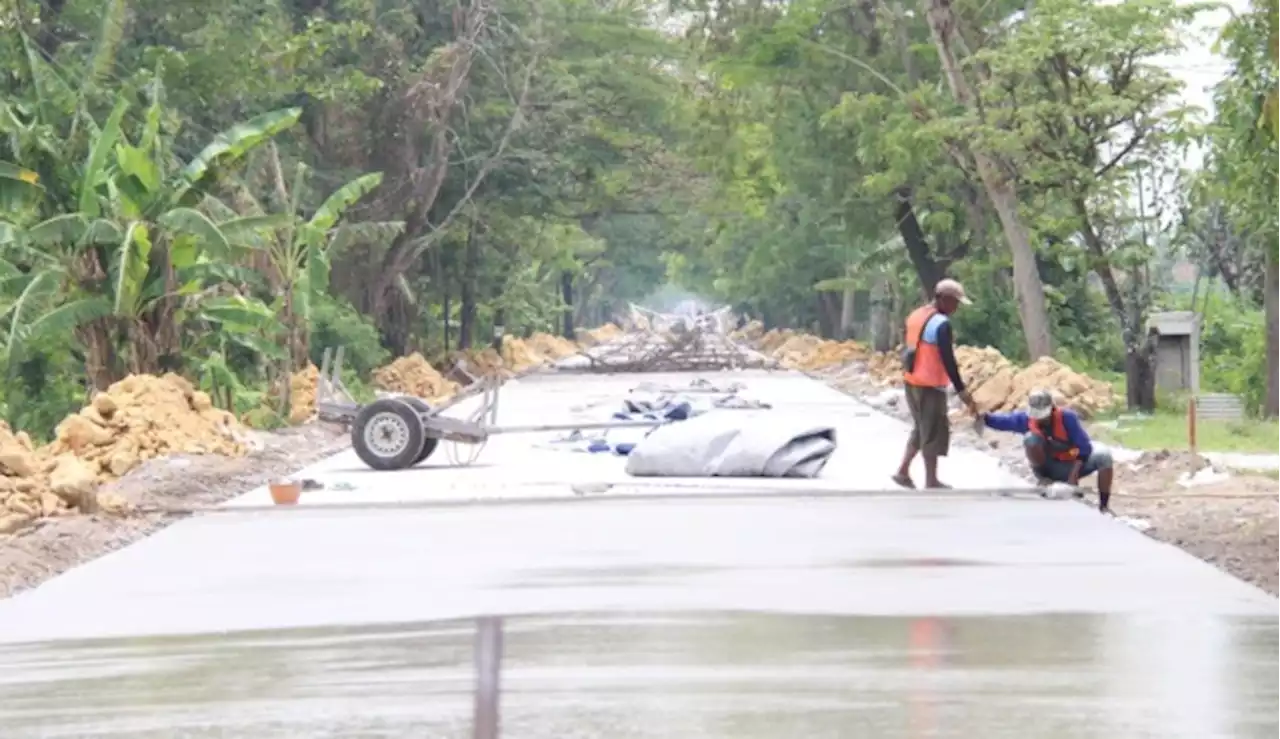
x,y
429,443
388,434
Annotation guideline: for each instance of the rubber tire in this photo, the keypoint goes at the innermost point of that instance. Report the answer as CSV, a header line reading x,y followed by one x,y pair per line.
x,y
429,443
409,455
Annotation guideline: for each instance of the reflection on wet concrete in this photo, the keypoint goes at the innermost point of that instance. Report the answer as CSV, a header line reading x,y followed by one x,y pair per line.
x,y
691,675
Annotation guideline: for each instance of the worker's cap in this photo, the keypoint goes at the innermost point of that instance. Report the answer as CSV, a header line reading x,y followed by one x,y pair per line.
x,y
1040,404
952,289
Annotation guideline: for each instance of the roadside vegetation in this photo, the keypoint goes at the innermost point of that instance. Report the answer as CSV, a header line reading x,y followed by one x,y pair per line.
x,y
226,195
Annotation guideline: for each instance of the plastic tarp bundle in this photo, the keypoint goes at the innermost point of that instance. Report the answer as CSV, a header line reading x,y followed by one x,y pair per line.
x,y
733,444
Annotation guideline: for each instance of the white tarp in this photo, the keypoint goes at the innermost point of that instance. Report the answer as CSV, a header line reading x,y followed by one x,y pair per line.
x,y
733,444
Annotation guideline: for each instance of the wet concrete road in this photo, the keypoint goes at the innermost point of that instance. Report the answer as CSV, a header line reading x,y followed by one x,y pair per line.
x,y
710,616
689,675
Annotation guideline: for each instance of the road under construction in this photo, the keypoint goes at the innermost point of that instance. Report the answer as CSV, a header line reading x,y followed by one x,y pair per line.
x,y
540,591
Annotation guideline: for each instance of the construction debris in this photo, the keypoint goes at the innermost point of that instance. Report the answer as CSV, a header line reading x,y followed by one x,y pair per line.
x,y
672,343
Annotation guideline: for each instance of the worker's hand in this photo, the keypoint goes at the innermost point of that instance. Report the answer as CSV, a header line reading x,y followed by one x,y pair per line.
x,y
967,399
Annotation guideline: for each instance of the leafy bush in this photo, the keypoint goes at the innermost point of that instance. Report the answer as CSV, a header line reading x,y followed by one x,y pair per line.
x,y
334,323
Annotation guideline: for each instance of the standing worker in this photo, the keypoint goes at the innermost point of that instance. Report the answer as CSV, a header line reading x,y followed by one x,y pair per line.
x,y
1058,448
929,366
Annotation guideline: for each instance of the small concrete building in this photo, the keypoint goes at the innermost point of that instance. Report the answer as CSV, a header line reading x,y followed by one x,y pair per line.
x,y
1177,350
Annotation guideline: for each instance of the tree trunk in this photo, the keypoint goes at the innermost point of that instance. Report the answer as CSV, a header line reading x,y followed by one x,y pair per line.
x,y
1271,401
904,214
881,315
997,180
101,363
828,315
566,296
447,308
1140,376
846,315
499,328
290,356
470,266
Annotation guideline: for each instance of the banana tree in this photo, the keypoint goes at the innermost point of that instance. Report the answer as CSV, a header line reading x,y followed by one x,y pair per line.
x,y
300,251
124,270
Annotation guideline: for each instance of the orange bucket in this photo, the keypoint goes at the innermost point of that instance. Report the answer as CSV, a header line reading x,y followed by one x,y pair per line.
x,y
285,493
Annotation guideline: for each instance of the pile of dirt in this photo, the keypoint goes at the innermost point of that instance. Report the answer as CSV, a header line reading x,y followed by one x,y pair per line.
x,y
517,355
480,362
141,417
997,384
302,394
1000,385
592,336
414,375
807,352
552,347
752,332
774,338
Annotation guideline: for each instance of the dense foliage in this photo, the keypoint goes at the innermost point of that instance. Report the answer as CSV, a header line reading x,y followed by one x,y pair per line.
x,y
226,194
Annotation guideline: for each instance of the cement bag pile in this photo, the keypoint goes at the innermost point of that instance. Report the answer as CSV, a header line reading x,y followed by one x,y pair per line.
x,y
414,375
139,418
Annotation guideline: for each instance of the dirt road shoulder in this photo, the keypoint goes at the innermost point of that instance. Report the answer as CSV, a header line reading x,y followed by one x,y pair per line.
x,y
56,544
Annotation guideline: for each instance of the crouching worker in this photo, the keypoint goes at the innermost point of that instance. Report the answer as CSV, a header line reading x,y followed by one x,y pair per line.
x,y
1058,448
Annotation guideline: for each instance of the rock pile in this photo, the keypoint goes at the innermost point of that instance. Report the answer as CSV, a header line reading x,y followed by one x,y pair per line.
x,y
139,418
414,375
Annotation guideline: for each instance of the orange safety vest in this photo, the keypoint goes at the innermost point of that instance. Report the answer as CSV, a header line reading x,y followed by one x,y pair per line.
x,y
927,370
1056,440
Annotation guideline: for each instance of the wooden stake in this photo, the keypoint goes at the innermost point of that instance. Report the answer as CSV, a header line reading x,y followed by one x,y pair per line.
x,y
1191,424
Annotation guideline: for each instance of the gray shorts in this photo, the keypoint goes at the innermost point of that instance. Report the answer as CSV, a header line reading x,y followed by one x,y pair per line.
x,y
1058,470
931,429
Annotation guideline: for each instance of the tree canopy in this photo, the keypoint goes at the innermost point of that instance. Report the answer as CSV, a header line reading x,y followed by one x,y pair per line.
x,y
225,194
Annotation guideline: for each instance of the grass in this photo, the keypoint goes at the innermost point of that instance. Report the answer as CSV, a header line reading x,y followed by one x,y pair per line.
x,y
1169,431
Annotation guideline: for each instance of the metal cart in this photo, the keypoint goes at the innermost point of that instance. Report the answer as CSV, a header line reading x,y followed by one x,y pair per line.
x,y
398,432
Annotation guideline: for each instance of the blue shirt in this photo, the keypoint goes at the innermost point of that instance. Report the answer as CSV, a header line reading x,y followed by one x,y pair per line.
x,y
1020,423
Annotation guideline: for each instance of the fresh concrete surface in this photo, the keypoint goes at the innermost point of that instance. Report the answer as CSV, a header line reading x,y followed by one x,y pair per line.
x,y
390,592
309,567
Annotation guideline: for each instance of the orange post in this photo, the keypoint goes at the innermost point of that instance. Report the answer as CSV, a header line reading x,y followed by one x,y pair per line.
x,y
1191,424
